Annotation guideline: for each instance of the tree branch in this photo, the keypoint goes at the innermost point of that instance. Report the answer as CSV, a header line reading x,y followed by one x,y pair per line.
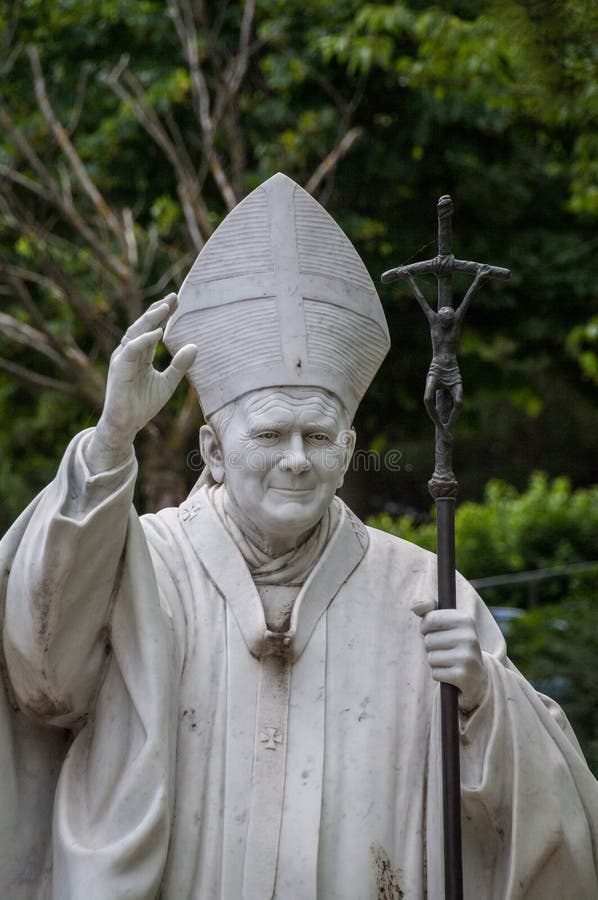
x,y
194,209
75,115
172,272
239,65
26,149
8,52
15,277
130,239
68,358
64,142
332,159
19,218
72,354
238,151
51,193
44,193
182,16
38,380
30,337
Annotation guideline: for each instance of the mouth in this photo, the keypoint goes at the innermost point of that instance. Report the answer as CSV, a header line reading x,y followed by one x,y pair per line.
x,y
293,492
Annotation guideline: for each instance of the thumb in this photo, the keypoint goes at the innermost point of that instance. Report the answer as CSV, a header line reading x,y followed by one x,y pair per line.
x,y
422,607
180,364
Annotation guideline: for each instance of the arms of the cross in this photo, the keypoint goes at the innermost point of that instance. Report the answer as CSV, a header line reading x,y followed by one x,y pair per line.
x,y
443,396
445,263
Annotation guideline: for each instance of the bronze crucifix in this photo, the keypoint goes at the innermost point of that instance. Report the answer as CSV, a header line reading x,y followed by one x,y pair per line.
x,y
443,395
443,399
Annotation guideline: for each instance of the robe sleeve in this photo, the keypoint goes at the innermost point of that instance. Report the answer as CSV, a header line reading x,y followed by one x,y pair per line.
x,y
530,803
61,585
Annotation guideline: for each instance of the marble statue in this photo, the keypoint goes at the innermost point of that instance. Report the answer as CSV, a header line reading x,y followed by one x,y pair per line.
x,y
237,699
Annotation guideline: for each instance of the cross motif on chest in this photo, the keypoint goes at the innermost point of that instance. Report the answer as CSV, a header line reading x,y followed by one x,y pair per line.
x,y
270,737
189,512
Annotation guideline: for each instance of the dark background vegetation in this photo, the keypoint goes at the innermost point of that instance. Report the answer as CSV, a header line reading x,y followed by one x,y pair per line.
x,y
128,130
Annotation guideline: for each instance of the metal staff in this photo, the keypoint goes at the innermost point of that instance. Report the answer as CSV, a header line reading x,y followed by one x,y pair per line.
x,y
443,399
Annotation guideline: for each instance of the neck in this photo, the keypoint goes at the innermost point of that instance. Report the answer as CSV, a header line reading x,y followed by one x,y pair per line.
x,y
274,545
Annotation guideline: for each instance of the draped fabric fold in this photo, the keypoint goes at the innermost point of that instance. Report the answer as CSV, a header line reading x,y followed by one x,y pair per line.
x,y
114,799
112,793
155,794
30,758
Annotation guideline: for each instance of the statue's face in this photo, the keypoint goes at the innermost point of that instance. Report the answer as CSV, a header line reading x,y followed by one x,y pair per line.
x,y
284,454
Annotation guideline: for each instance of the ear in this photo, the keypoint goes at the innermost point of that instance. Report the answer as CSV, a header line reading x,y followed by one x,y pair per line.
x,y
211,452
346,438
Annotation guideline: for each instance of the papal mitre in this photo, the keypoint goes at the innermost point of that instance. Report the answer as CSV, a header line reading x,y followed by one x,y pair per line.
x,y
279,297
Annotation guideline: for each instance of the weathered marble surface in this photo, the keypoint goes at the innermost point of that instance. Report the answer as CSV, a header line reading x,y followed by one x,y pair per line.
x,y
249,702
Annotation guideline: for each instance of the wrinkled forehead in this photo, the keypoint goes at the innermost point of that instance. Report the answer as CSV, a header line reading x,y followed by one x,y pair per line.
x,y
285,404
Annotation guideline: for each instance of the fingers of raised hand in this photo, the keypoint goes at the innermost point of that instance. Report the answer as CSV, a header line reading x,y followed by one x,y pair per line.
x,y
180,364
155,315
171,300
142,347
184,358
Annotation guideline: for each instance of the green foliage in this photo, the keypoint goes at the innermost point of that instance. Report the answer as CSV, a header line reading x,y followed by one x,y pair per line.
x,y
496,101
547,525
28,450
555,644
556,648
583,344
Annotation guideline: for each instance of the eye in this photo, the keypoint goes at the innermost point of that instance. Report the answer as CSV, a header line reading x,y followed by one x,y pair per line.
x,y
319,437
267,435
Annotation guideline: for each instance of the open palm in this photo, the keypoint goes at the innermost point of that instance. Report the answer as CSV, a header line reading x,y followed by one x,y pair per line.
x,y
136,391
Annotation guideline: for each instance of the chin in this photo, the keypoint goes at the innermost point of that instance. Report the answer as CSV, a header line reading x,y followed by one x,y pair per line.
x,y
293,516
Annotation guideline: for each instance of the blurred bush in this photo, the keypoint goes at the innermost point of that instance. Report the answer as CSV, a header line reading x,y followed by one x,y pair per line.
x,y
556,647
549,525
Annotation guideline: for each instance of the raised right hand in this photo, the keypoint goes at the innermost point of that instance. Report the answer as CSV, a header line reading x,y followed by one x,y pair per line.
x,y
136,391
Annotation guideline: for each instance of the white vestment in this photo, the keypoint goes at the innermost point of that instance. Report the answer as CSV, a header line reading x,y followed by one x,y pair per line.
x,y
146,639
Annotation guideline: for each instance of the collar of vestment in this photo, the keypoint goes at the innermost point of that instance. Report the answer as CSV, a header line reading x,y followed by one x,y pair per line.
x,y
228,570
290,568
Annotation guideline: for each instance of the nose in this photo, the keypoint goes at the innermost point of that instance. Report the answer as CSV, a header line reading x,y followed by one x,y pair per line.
x,y
295,459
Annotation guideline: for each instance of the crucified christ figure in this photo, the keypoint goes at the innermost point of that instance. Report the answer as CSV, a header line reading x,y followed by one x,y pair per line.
x,y
445,330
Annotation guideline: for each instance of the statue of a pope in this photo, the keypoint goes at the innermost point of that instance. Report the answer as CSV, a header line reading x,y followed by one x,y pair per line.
x,y
233,700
